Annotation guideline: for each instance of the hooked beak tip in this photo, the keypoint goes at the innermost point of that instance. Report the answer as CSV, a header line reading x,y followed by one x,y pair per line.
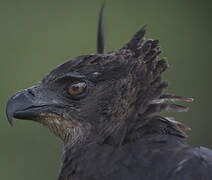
x,y
9,115
10,120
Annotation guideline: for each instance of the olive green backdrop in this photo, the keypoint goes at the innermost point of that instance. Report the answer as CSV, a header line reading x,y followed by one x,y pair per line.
x,y
37,35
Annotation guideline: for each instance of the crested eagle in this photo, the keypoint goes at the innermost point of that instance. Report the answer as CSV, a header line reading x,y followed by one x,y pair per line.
x,y
105,108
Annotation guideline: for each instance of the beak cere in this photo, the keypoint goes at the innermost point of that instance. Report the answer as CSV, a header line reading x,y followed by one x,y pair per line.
x,y
22,106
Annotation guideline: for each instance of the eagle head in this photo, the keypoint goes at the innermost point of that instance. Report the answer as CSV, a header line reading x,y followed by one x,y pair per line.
x,y
99,97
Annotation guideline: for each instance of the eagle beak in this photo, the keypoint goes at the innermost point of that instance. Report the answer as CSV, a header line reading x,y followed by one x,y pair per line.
x,y
22,105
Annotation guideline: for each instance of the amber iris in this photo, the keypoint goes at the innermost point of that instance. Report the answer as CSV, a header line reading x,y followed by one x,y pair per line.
x,y
76,88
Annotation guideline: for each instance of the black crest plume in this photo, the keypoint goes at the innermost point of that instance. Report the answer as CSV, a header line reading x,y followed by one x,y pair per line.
x,y
100,33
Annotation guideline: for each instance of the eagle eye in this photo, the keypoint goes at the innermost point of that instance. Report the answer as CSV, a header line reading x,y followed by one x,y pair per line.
x,y
76,88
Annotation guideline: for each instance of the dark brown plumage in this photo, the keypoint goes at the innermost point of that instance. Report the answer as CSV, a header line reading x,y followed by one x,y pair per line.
x,y
105,108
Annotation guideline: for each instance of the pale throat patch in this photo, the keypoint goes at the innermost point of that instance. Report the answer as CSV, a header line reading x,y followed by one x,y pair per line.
x,y
63,128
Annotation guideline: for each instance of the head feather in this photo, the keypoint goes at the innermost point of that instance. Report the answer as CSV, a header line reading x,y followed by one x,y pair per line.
x,y
100,34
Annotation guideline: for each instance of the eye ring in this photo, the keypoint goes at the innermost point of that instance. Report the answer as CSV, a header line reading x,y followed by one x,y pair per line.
x,y
76,88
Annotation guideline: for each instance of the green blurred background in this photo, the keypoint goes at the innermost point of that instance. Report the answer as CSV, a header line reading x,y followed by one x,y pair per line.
x,y
38,35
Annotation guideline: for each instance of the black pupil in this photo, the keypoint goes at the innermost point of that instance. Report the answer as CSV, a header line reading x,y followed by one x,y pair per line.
x,y
78,86
75,87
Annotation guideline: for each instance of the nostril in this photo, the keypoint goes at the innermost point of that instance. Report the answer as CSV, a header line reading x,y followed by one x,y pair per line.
x,y
31,92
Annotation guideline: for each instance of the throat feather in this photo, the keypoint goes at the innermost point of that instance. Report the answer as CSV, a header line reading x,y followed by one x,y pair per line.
x,y
65,129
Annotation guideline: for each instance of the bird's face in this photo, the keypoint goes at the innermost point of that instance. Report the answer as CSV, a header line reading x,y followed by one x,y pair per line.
x,y
95,96
99,97
85,95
